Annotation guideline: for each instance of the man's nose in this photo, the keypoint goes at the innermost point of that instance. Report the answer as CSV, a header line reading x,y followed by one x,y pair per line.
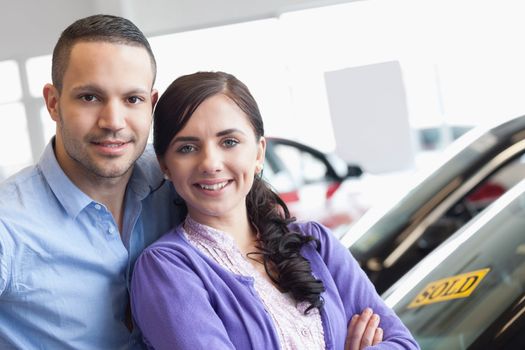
x,y
112,116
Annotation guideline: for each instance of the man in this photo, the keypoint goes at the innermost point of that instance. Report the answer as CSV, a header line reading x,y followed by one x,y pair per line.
x,y
72,226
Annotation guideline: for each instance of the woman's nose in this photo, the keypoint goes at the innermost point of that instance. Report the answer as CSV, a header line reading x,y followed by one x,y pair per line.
x,y
211,160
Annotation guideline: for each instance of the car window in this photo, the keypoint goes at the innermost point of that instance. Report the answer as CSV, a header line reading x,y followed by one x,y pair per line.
x,y
433,138
279,180
508,173
399,214
304,167
276,174
469,206
470,290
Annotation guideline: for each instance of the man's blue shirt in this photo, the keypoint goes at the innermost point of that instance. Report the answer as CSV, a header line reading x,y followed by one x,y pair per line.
x,y
64,266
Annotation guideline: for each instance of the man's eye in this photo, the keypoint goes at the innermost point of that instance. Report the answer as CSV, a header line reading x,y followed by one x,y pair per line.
x,y
134,99
186,149
89,98
230,143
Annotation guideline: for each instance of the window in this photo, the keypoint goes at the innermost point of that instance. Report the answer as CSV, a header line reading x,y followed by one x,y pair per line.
x,y
15,149
38,74
10,89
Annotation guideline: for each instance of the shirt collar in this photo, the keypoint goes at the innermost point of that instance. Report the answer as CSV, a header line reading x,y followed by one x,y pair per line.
x,y
207,235
147,176
68,194
145,179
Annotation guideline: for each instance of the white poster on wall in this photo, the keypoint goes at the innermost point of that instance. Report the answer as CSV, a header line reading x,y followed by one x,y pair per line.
x,y
370,117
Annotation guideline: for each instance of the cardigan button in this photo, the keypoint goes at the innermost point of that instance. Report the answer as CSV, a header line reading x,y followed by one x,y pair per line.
x,y
305,332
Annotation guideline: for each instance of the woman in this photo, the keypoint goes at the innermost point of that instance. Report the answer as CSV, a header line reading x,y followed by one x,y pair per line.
x,y
239,273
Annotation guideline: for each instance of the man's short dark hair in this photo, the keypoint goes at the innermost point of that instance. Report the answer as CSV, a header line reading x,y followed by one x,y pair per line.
x,y
97,28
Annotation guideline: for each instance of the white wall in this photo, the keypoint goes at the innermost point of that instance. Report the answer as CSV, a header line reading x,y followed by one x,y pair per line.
x,y
31,27
461,60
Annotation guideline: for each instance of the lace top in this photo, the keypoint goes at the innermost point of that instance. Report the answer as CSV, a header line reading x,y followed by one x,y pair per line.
x,y
295,329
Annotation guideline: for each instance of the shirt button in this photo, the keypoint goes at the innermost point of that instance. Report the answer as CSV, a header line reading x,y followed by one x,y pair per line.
x,y
98,206
304,332
111,229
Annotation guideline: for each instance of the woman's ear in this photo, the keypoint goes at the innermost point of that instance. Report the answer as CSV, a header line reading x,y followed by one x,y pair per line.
x,y
261,151
163,167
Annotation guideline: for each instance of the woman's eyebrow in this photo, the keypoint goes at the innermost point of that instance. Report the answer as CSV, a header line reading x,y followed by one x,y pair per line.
x,y
229,131
185,139
196,139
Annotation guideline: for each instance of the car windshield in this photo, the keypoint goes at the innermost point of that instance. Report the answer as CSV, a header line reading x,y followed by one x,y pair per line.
x,y
455,301
438,183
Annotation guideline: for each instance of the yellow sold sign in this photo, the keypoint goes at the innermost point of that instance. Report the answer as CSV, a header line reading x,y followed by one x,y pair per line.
x,y
455,287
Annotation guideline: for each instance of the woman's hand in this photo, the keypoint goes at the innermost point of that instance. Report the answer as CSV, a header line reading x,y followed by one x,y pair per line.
x,y
363,331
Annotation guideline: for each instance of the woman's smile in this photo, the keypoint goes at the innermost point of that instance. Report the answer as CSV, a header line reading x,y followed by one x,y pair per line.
x,y
213,186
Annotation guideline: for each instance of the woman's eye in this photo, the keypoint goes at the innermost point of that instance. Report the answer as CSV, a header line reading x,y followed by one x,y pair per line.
x,y
230,143
186,149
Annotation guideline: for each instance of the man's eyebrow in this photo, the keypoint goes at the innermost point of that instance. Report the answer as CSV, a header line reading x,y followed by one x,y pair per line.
x,y
138,91
96,89
87,88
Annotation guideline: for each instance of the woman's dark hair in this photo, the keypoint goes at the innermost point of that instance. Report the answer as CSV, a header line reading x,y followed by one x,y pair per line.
x,y
279,247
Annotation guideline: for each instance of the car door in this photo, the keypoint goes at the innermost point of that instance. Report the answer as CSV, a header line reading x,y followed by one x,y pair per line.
x,y
474,170
474,193
469,293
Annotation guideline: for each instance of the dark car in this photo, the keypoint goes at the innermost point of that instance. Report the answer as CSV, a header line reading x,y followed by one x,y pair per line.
x,y
311,182
469,293
478,168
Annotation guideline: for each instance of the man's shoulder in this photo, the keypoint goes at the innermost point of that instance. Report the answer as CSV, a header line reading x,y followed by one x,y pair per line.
x,y
19,183
149,165
18,195
25,195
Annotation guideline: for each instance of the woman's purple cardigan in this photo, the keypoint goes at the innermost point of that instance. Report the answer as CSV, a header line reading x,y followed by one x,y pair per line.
x,y
182,299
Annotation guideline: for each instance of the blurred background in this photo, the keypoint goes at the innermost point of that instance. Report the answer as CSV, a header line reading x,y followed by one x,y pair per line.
x,y
384,84
375,106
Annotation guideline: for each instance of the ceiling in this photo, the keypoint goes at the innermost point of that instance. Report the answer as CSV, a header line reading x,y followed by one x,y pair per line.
x,y
31,27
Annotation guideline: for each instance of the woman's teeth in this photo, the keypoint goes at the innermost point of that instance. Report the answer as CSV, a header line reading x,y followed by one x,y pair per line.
x,y
214,187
